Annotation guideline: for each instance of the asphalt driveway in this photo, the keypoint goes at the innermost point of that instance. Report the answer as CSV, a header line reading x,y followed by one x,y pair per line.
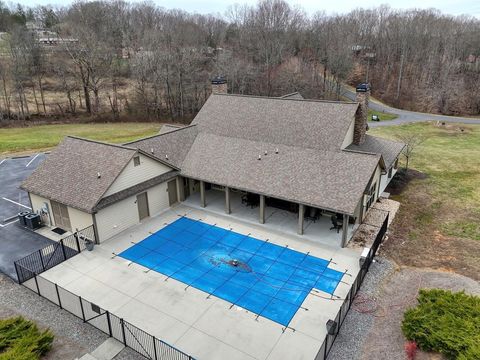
x,y
15,241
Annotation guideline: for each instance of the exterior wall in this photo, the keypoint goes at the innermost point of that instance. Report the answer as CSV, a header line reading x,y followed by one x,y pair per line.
x,y
376,181
349,137
78,219
132,175
124,214
385,180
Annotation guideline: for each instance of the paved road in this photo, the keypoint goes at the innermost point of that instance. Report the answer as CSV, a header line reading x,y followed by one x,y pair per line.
x,y
405,116
15,241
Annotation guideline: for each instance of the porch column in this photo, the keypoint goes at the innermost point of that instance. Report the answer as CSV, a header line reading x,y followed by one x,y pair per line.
x,y
203,203
228,209
180,190
262,209
301,216
346,219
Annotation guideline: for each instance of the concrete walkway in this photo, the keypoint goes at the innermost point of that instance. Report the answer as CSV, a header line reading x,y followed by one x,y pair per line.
x,y
106,351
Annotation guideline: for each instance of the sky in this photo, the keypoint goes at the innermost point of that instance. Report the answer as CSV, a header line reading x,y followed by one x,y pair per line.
x,y
453,7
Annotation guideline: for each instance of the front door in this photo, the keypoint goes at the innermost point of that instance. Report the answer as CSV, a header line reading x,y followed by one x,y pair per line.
x,y
60,215
142,204
172,192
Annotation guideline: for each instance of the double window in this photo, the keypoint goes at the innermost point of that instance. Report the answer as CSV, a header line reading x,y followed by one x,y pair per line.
x,y
371,196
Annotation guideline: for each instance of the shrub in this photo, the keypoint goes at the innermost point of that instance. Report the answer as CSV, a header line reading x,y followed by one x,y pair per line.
x,y
445,322
20,339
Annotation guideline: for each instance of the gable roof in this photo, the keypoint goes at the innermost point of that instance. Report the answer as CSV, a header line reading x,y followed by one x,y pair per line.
x,y
306,123
387,148
69,174
333,180
175,144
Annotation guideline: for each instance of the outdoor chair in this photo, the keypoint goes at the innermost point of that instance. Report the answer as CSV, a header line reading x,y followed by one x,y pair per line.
x,y
337,225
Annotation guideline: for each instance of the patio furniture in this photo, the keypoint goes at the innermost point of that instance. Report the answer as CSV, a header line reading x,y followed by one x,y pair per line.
x,y
337,224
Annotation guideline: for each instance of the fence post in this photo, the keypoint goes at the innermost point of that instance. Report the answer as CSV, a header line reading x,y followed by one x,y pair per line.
x,y
75,235
36,283
109,324
123,332
41,259
18,274
154,347
63,250
58,296
81,307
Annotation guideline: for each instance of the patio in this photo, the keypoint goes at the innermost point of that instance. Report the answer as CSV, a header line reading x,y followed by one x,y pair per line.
x,y
277,220
205,327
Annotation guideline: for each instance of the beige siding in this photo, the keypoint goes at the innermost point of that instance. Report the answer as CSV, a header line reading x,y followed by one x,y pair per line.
x,y
79,219
133,175
38,203
349,137
385,180
124,214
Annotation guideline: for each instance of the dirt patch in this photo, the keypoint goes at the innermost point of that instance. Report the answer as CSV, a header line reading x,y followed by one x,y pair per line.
x,y
398,292
401,180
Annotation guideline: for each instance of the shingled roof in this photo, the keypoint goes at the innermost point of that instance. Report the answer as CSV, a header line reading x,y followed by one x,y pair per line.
x,y
305,123
174,144
69,175
333,180
387,148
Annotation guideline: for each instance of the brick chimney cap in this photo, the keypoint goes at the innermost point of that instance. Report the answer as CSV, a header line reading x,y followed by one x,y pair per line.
x,y
363,87
218,80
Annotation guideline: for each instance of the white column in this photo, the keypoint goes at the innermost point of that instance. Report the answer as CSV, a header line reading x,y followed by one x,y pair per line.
x,y
262,209
203,202
346,218
301,216
228,208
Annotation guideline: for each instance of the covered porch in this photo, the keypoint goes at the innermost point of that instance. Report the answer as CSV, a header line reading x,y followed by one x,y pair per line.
x,y
276,215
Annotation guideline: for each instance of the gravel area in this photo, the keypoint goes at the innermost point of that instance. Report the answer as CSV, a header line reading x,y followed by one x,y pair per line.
x,y
356,326
73,338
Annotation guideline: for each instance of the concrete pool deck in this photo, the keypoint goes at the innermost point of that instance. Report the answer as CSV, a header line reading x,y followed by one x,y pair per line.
x,y
204,327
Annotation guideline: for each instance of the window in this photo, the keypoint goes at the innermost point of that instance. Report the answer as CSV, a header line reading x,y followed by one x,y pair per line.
x,y
136,161
370,196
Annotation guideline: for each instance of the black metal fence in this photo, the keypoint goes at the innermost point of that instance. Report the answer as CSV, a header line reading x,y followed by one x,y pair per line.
x,y
347,303
53,254
130,335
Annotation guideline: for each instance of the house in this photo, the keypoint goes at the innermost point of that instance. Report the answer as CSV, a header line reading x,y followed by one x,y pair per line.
x,y
309,158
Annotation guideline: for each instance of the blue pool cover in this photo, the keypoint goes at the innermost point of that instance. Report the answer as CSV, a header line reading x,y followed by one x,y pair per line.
x,y
269,280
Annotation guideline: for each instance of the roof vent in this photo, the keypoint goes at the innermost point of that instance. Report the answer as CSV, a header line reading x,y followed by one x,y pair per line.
x,y
259,157
98,175
151,150
166,157
266,153
276,151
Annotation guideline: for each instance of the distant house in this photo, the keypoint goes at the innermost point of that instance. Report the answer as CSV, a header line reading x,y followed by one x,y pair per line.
x,y
312,159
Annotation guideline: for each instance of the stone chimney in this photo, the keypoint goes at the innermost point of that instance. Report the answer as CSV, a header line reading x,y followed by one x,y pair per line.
x,y
219,85
361,116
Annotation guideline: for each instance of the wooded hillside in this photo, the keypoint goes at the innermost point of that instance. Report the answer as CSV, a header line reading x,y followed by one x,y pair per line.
x,y
119,60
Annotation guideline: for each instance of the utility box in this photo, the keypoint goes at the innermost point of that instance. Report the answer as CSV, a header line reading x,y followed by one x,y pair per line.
x,y
21,217
32,221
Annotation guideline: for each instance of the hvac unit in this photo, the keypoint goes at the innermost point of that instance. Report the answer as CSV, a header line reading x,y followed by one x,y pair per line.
x,y
32,221
21,217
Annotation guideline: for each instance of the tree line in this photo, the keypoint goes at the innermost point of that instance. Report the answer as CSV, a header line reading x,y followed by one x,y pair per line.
x,y
113,59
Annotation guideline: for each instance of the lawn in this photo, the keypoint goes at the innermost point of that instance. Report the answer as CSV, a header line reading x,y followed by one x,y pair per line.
x,y
383,116
438,223
35,138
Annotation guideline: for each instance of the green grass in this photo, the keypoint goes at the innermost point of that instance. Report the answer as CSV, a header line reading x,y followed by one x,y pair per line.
x,y
450,158
20,339
445,322
382,115
13,140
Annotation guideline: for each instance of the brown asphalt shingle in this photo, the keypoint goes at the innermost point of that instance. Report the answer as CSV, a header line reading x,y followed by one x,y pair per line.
x,y
175,144
332,180
69,174
387,148
303,123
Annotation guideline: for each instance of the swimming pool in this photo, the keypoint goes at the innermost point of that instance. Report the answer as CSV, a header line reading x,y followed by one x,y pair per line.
x,y
267,279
